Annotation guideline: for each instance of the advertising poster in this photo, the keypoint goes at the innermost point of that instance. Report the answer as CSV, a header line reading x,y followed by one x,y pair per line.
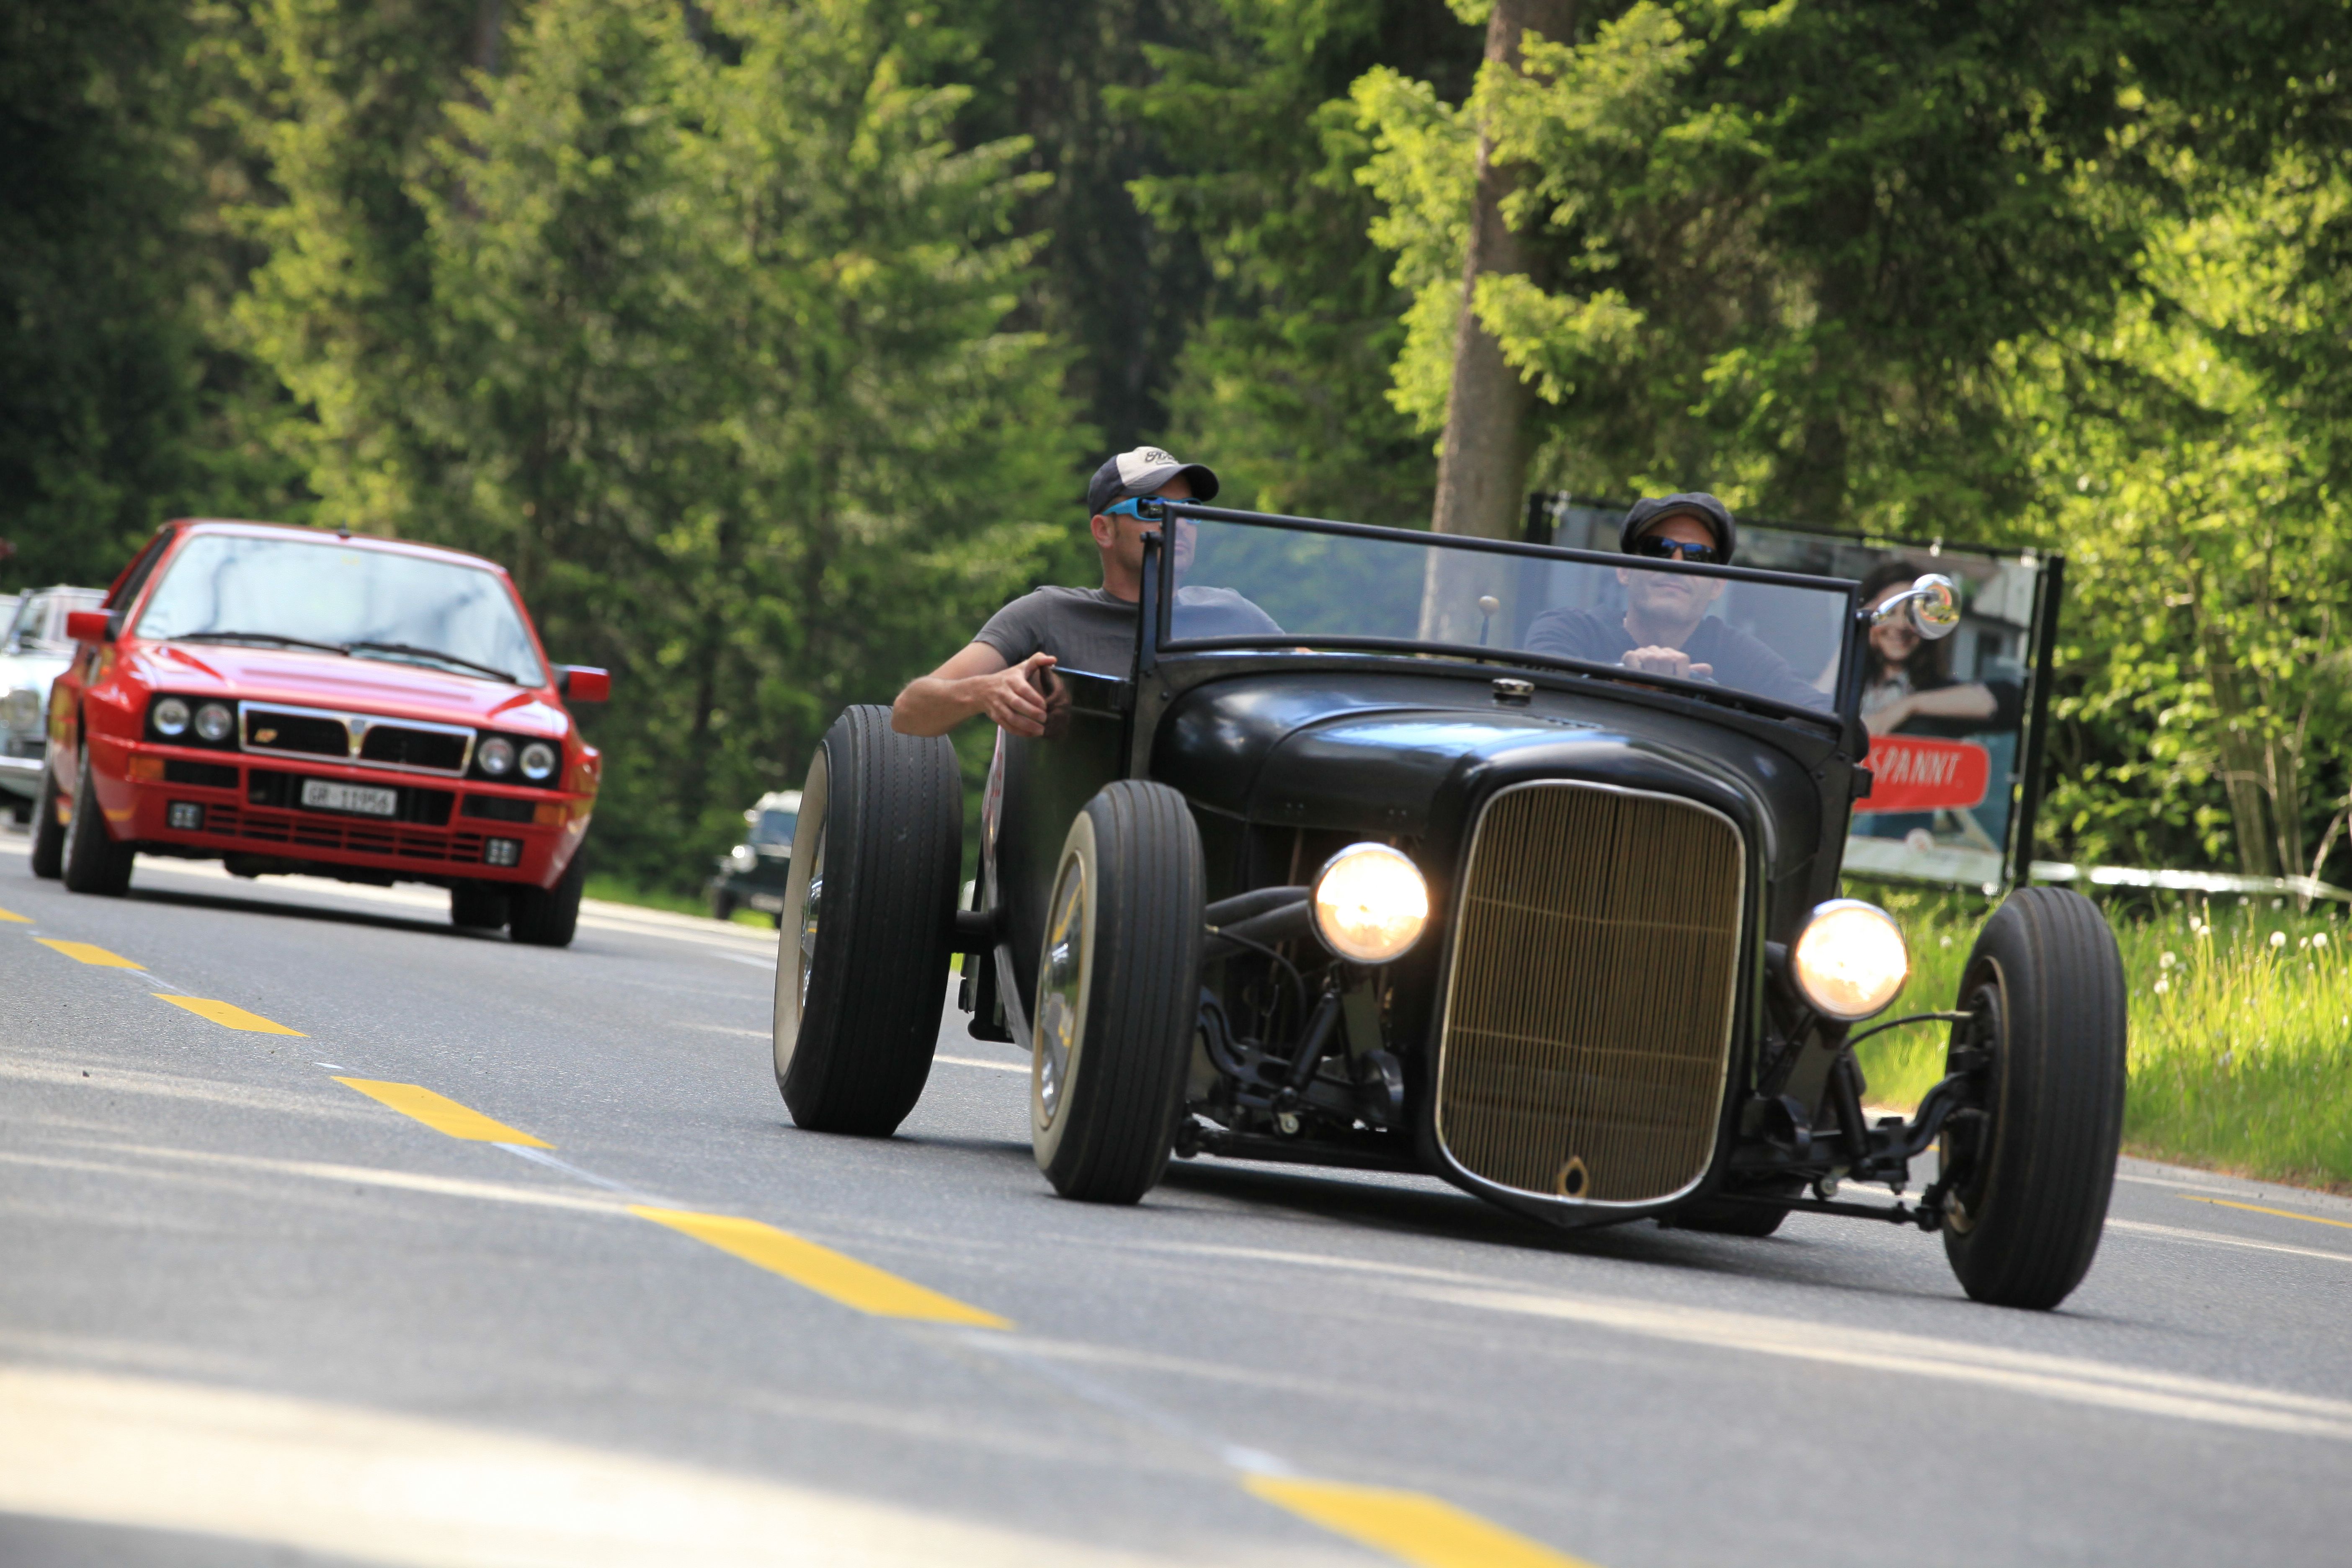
x,y
1955,725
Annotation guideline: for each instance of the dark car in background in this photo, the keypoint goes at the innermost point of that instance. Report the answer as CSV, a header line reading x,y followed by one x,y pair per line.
x,y
1403,883
755,874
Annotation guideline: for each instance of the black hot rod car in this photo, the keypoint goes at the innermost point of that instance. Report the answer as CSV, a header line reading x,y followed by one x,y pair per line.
x,y
1421,883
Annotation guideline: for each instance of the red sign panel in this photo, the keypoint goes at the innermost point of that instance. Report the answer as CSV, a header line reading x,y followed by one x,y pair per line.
x,y
1910,772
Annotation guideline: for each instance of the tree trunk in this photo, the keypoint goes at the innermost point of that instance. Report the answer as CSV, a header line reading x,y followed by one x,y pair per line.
x,y
1482,469
2243,774
1481,466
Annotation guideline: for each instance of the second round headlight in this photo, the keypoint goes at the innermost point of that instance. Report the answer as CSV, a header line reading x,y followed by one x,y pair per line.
x,y
213,722
1370,903
537,760
497,756
1850,960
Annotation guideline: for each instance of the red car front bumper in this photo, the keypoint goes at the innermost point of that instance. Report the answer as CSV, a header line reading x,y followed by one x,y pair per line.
x,y
208,802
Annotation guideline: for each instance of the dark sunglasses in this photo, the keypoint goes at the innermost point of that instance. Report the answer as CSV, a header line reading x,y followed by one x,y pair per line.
x,y
1659,549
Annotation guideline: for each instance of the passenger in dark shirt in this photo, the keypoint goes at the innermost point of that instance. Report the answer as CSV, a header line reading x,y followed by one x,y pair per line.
x,y
1666,630
1004,670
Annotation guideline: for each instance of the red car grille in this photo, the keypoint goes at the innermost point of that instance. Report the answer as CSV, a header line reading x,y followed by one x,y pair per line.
x,y
294,834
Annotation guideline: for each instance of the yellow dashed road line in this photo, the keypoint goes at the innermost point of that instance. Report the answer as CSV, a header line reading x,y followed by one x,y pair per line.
x,y
1408,1526
12,916
2282,1214
229,1016
86,952
820,1268
441,1113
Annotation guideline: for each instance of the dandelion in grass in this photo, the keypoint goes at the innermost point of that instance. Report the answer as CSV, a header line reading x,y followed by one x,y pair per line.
x,y
2163,985
2167,961
2278,939
2319,939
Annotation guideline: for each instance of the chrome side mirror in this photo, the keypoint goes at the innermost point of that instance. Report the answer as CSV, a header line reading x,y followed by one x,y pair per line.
x,y
1932,604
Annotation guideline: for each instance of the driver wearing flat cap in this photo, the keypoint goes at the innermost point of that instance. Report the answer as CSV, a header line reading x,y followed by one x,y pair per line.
x,y
1004,670
1666,630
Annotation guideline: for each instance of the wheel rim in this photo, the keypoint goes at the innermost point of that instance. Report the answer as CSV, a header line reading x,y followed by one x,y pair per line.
x,y
805,958
1964,1204
1060,977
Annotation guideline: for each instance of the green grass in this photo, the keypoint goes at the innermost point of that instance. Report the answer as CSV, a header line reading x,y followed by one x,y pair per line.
x,y
2240,1028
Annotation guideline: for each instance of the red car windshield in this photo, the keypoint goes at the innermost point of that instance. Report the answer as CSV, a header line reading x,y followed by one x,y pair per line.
x,y
345,599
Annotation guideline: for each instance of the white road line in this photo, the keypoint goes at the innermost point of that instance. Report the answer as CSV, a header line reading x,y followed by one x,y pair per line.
x,y
2215,1239
541,1157
976,1062
2073,1380
746,958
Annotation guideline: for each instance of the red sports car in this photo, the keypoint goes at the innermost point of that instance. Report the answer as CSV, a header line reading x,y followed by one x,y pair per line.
x,y
285,699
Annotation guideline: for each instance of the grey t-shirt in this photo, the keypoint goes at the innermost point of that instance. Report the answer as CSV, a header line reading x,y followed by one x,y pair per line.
x,y
1089,629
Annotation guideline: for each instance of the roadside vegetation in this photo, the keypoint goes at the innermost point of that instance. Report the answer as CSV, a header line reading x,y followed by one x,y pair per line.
x,y
2240,1029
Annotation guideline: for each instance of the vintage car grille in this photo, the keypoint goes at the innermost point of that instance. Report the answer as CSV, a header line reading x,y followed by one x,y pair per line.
x,y
1587,1017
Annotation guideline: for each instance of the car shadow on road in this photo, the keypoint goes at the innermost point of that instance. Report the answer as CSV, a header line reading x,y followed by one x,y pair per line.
x,y
426,925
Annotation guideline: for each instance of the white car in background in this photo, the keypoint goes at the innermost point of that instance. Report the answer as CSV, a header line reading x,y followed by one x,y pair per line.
x,y
33,651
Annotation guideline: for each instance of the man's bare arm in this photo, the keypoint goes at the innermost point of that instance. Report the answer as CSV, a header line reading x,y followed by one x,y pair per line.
x,y
976,680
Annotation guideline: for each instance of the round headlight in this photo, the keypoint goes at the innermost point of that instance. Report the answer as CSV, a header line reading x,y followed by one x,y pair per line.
x,y
21,710
497,755
1850,961
1370,903
171,716
537,760
213,722
743,856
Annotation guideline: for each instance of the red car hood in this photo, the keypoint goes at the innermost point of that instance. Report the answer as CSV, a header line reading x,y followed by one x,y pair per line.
x,y
351,685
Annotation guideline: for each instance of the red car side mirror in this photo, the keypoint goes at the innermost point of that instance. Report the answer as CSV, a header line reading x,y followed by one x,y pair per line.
x,y
89,626
583,683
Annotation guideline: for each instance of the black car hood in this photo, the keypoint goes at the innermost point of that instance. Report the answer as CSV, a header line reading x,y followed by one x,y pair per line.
x,y
1404,756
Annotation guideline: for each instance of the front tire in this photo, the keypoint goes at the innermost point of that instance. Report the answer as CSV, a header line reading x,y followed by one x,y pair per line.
x,y
94,862
473,907
48,832
1118,995
868,925
548,917
2022,1222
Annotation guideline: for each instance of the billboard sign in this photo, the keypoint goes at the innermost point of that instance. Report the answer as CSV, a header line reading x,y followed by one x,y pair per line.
x,y
1955,726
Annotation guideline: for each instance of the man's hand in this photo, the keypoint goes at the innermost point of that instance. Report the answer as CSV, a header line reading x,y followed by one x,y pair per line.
x,y
1015,698
976,680
1666,661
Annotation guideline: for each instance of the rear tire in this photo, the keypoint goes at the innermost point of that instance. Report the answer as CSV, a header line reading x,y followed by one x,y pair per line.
x,y
473,907
94,862
1118,990
547,917
2023,1223
876,853
48,832
722,906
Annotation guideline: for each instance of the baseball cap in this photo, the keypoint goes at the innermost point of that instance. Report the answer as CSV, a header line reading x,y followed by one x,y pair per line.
x,y
1140,472
1651,510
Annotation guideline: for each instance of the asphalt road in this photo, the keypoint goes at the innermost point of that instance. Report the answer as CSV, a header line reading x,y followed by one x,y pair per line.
x,y
249,1313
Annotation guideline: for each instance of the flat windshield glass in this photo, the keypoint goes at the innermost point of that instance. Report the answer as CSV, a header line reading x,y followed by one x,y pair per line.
x,y
1286,587
774,827
369,604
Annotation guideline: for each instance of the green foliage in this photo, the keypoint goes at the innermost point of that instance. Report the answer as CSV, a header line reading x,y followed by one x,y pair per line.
x,y
1283,386
2240,1029
98,397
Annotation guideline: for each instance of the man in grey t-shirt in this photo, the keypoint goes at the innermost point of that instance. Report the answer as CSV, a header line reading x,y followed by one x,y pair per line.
x,y
1002,670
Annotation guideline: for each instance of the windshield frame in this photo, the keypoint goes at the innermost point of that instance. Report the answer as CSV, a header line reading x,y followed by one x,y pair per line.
x,y
164,554
1160,587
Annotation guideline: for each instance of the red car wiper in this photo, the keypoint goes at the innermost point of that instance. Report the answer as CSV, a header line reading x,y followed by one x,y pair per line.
x,y
272,637
414,652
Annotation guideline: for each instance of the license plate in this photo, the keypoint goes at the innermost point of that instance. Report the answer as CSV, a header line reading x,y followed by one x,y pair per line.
x,y
366,799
